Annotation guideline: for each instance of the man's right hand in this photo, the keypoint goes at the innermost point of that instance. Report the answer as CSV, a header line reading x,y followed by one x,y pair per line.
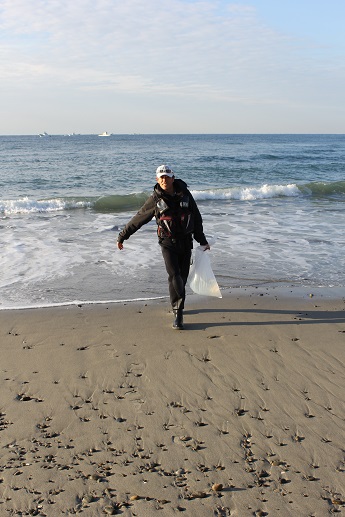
x,y
120,245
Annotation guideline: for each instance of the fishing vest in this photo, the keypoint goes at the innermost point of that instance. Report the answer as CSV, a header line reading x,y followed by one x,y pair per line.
x,y
174,218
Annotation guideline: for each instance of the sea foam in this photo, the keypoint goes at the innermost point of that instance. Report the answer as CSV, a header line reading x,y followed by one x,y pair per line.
x,y
26,205
248,193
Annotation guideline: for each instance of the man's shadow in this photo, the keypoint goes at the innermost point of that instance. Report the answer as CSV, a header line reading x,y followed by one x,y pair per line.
x,y
299,317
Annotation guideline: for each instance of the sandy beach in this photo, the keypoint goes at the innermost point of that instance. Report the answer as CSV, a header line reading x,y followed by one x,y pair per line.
x,y
106,410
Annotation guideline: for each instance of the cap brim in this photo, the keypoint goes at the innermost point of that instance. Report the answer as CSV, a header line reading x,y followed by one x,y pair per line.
x,y
160,174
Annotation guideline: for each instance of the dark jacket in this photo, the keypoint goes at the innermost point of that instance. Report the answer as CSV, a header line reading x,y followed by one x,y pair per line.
x,y
150,210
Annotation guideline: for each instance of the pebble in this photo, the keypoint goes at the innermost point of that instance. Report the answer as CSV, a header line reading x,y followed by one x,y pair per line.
x,y
198,495
217,487
87,499
95,477
337,501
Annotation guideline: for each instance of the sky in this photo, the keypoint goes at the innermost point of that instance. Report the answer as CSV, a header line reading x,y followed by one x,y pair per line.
x,y
172,66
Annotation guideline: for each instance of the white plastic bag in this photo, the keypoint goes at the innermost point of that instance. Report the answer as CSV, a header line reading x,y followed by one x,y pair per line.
x,y
201,277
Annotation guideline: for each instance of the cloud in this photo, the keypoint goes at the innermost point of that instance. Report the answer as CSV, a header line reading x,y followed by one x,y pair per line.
x,y
157,39
207,48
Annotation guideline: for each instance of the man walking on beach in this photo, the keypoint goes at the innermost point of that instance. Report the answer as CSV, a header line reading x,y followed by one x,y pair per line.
x,y
178,221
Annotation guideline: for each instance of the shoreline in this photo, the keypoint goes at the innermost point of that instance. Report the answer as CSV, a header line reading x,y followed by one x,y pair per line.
x,y
106,409
332,293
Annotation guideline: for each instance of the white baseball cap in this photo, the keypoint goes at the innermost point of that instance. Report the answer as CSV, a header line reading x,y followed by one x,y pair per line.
x,y
164,170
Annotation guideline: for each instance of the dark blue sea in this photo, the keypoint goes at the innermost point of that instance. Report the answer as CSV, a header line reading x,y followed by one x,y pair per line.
x,y
274,203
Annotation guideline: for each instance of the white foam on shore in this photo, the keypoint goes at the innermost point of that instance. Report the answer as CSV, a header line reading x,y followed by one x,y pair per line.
x,y
292,292
81,303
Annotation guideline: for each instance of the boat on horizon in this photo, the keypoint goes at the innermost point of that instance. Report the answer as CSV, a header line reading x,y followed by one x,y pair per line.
x,y
105,133
43,134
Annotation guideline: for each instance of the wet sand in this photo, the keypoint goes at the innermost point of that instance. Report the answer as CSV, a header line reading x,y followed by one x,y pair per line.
x,y
106,409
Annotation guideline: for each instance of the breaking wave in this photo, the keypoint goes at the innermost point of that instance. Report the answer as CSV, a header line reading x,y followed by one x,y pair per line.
x,y
129,202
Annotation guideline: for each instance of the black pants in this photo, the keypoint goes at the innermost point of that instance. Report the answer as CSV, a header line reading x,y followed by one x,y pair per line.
x,y
177,255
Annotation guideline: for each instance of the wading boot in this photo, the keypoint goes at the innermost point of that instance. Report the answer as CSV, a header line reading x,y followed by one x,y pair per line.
x,y
178,321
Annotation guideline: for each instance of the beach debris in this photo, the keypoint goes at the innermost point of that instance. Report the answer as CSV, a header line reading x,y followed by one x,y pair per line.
x,y
180,472
335,499
175,404
217,487
23,397
262,478
185,438
264,474
120,420
222,511
76,407
87,499
283,479
163,501
310,478
196,495
298,437
338,501
276,463
96,477
4,423
195,445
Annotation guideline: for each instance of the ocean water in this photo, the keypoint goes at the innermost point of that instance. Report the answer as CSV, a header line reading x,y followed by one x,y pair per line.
x,y
274,203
